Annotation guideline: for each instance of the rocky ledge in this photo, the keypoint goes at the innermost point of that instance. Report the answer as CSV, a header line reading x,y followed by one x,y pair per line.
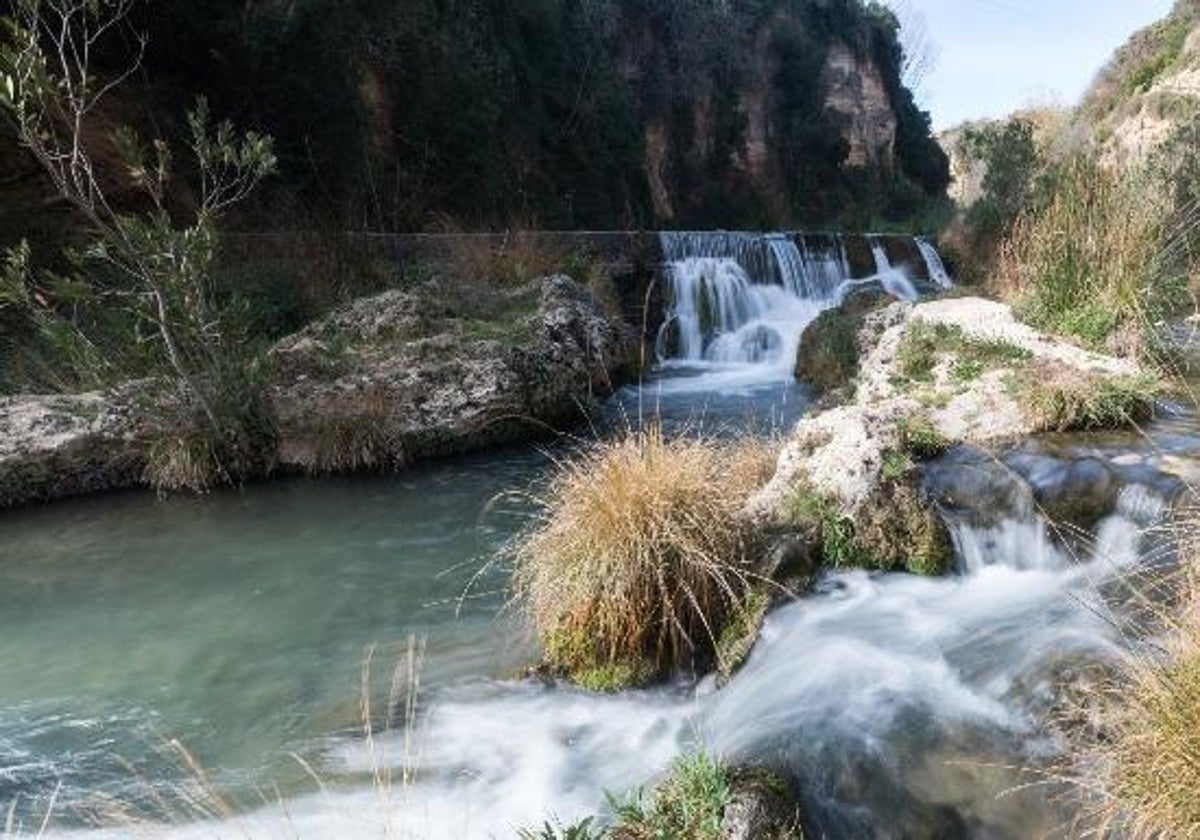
x,y
911,382
381,383
403,375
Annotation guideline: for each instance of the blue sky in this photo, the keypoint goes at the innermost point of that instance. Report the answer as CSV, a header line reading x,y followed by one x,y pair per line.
x,y
995,56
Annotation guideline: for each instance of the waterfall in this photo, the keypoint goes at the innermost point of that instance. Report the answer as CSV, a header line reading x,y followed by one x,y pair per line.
x,y
741,300
882,264
933,263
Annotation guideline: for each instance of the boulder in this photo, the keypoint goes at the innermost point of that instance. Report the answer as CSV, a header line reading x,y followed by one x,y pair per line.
x,y
65,445
930,376
378,384
761,808
396,378
828,356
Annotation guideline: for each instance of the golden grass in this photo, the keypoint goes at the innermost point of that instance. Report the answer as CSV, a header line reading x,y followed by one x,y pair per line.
x,y
1145,768
182,462
642,551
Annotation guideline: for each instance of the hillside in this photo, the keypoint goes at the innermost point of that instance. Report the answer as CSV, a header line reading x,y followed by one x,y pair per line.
x,y
1149,89
555,113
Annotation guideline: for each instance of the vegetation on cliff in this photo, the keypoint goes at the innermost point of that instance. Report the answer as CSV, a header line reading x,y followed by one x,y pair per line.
x,y
560,113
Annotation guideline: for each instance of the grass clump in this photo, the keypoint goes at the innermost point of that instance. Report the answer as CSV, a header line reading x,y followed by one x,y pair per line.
x,y
688,805
925,344
920,438
583,830
1058,398
641,553
1151,759
1094,261
1146,765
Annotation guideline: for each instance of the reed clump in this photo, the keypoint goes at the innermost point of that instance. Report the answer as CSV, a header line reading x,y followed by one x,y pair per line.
x,y
1095,260
641,554
1146,767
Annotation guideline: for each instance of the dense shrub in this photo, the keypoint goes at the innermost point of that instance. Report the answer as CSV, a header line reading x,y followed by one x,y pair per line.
x,y
391,114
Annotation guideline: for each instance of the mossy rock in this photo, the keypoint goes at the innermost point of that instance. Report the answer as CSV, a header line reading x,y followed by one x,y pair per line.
x,y
762,806
829,352
899,529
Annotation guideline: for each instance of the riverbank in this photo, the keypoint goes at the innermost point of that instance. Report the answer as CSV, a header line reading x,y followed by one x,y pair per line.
x,y
383,383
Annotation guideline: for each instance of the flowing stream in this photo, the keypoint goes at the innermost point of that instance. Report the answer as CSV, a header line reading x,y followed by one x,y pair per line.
x,y
239,624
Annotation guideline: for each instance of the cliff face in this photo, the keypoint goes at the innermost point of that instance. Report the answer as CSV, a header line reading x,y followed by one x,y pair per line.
x,y
558,114
775,118
855,91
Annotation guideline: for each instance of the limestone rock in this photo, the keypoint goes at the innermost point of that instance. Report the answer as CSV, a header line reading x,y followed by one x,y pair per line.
x,y
409,379
856,460
761,808
384,381
64,445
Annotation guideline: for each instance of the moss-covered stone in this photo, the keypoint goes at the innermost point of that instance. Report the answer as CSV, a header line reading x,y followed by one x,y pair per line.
x,y
828,357
741,632
895,530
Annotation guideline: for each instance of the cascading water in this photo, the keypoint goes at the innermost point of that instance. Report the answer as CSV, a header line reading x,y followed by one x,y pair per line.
x,y
893,702
740,302
933,263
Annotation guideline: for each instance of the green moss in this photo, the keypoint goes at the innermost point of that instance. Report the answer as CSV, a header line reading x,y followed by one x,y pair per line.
x,y
828,357
738,638
895,530
896,464
836,533
613,677
920,438
925,345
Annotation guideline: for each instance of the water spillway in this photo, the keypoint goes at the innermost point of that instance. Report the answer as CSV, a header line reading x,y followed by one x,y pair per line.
x,y
743,299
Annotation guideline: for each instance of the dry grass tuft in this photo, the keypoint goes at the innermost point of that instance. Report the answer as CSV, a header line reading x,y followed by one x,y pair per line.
x,y
642,552
182,462
1145,769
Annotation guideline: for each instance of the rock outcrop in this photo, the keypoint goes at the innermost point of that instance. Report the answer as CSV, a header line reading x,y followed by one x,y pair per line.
x,y
405,375
55,446
386,381
931,376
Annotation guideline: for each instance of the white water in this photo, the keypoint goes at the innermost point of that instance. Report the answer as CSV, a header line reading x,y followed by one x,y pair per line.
x,y
739,302
890,699
934,264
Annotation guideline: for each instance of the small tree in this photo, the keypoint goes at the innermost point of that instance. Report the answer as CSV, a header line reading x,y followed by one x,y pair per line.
x,y
51,93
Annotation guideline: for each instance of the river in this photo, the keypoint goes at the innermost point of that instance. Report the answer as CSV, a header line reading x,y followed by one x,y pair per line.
x,y
202,660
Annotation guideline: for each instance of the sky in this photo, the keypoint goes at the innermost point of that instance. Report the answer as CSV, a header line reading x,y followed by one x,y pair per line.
x,y
995,56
